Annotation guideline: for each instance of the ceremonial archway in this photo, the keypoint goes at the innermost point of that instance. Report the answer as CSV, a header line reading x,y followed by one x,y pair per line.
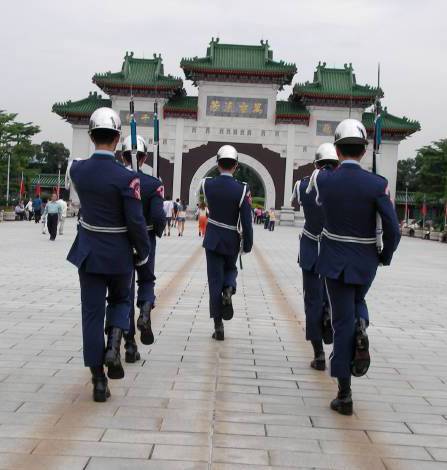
x,y
255,165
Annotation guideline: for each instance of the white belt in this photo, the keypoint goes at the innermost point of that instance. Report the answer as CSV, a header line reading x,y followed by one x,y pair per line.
x,y
95,228
348,238
222,225
150,228
311,235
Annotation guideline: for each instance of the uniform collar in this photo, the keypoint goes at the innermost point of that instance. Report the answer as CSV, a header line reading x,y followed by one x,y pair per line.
x,y
103,153
350,162
224,173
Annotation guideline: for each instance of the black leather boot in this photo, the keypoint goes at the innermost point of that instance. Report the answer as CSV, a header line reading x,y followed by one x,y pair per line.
x,y
218,334
362,360
319,361
343,403
144,324
112,356
132,355
227,304
100,388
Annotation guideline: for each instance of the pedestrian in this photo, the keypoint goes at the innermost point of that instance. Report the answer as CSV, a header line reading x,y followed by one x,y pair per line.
x,y
20,211
37,208
175,212
203,218
266,219
353,200
52,215
168,207
229,202
272,219
152,200
29,209
181,217
63,216
112,228
316,307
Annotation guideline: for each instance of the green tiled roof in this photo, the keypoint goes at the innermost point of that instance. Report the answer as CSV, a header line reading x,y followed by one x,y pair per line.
x,y
138,75
181,106
400,198
82,109
48,180
239,60
391,125
335,84
290,111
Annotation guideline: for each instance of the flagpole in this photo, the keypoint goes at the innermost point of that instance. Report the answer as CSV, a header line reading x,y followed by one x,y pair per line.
x,y
423,213
406,203
376,113
155,157
7,181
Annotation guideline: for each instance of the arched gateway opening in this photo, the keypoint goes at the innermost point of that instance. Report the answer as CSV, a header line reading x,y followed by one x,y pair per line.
x,y
250,166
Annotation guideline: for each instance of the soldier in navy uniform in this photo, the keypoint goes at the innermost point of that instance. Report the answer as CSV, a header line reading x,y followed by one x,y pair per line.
x,y
316,308
355,204
152,194
229,204
111,228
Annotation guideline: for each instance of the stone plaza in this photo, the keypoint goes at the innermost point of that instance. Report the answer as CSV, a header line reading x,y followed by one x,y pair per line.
x,y
251,402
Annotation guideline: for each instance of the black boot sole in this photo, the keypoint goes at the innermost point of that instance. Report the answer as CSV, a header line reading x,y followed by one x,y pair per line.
x,y
114,368
146,336
362,359
218,336
345,409
101,397
227,311
131,358
318,365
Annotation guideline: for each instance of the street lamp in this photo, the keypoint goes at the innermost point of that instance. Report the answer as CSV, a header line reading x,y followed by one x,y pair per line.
x,y
59,179
406,202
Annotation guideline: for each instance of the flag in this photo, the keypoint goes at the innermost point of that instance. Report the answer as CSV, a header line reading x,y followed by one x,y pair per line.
x,y
424,208
22,187
37,189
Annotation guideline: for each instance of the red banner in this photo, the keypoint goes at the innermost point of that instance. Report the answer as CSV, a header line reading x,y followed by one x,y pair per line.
x,y
424,209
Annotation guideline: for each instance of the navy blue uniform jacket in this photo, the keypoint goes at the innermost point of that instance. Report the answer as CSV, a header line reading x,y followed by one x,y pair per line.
x,y
224,196
110,198
351,198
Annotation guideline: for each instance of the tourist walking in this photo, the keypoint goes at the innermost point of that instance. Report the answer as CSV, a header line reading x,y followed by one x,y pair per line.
x,y
52,215
181,217
152,200
202,214
168,207
272,219
37,209
29,209
63,216
316,307
229,202
350,252
111,239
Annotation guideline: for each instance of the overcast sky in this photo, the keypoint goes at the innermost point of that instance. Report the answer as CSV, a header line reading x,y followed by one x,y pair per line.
x,y
50,49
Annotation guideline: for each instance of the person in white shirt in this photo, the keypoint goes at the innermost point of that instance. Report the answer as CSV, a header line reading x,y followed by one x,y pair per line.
x,y
29,209
168,207
63,205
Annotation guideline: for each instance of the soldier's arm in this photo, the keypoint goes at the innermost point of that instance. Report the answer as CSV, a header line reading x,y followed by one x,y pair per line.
x,y
247,222
390,224
158,215
135,221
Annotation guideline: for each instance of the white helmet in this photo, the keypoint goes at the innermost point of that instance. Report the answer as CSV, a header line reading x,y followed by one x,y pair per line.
x,y
227,152
350,131
141,144
326,152
105,118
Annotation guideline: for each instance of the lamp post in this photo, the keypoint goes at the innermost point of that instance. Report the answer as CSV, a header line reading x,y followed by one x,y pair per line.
x,y
7,181
406,202
58,179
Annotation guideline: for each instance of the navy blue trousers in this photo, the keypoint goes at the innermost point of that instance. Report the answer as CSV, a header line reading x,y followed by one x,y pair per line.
x,y
146,285
222,272
314,302
347,302
96,289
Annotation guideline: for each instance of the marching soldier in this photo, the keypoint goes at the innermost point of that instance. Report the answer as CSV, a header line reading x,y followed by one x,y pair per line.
x,y
111,227
351,199
229,203
152,200
318,323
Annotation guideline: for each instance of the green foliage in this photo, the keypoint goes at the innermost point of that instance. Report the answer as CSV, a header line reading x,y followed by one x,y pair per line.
x,y
15,140
50,155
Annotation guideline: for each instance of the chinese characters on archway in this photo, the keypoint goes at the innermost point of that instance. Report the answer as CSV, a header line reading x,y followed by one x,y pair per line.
x,y
236,107
143,118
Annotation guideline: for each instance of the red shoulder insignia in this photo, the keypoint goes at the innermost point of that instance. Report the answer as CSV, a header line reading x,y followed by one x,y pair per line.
x,y
248,197
161,191
134,185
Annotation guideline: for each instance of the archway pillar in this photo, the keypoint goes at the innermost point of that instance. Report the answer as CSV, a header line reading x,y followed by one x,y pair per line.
x,y
178,159
287,214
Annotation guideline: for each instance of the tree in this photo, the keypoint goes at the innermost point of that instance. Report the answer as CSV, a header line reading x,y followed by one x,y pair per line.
x,y
407,173
15,141
50,155
431,162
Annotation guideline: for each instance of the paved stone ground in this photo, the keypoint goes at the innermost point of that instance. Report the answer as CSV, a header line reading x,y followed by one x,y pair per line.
x,y
248,403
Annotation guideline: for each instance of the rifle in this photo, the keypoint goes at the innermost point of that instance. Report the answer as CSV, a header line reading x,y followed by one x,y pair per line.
x,y
376,146
133,135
